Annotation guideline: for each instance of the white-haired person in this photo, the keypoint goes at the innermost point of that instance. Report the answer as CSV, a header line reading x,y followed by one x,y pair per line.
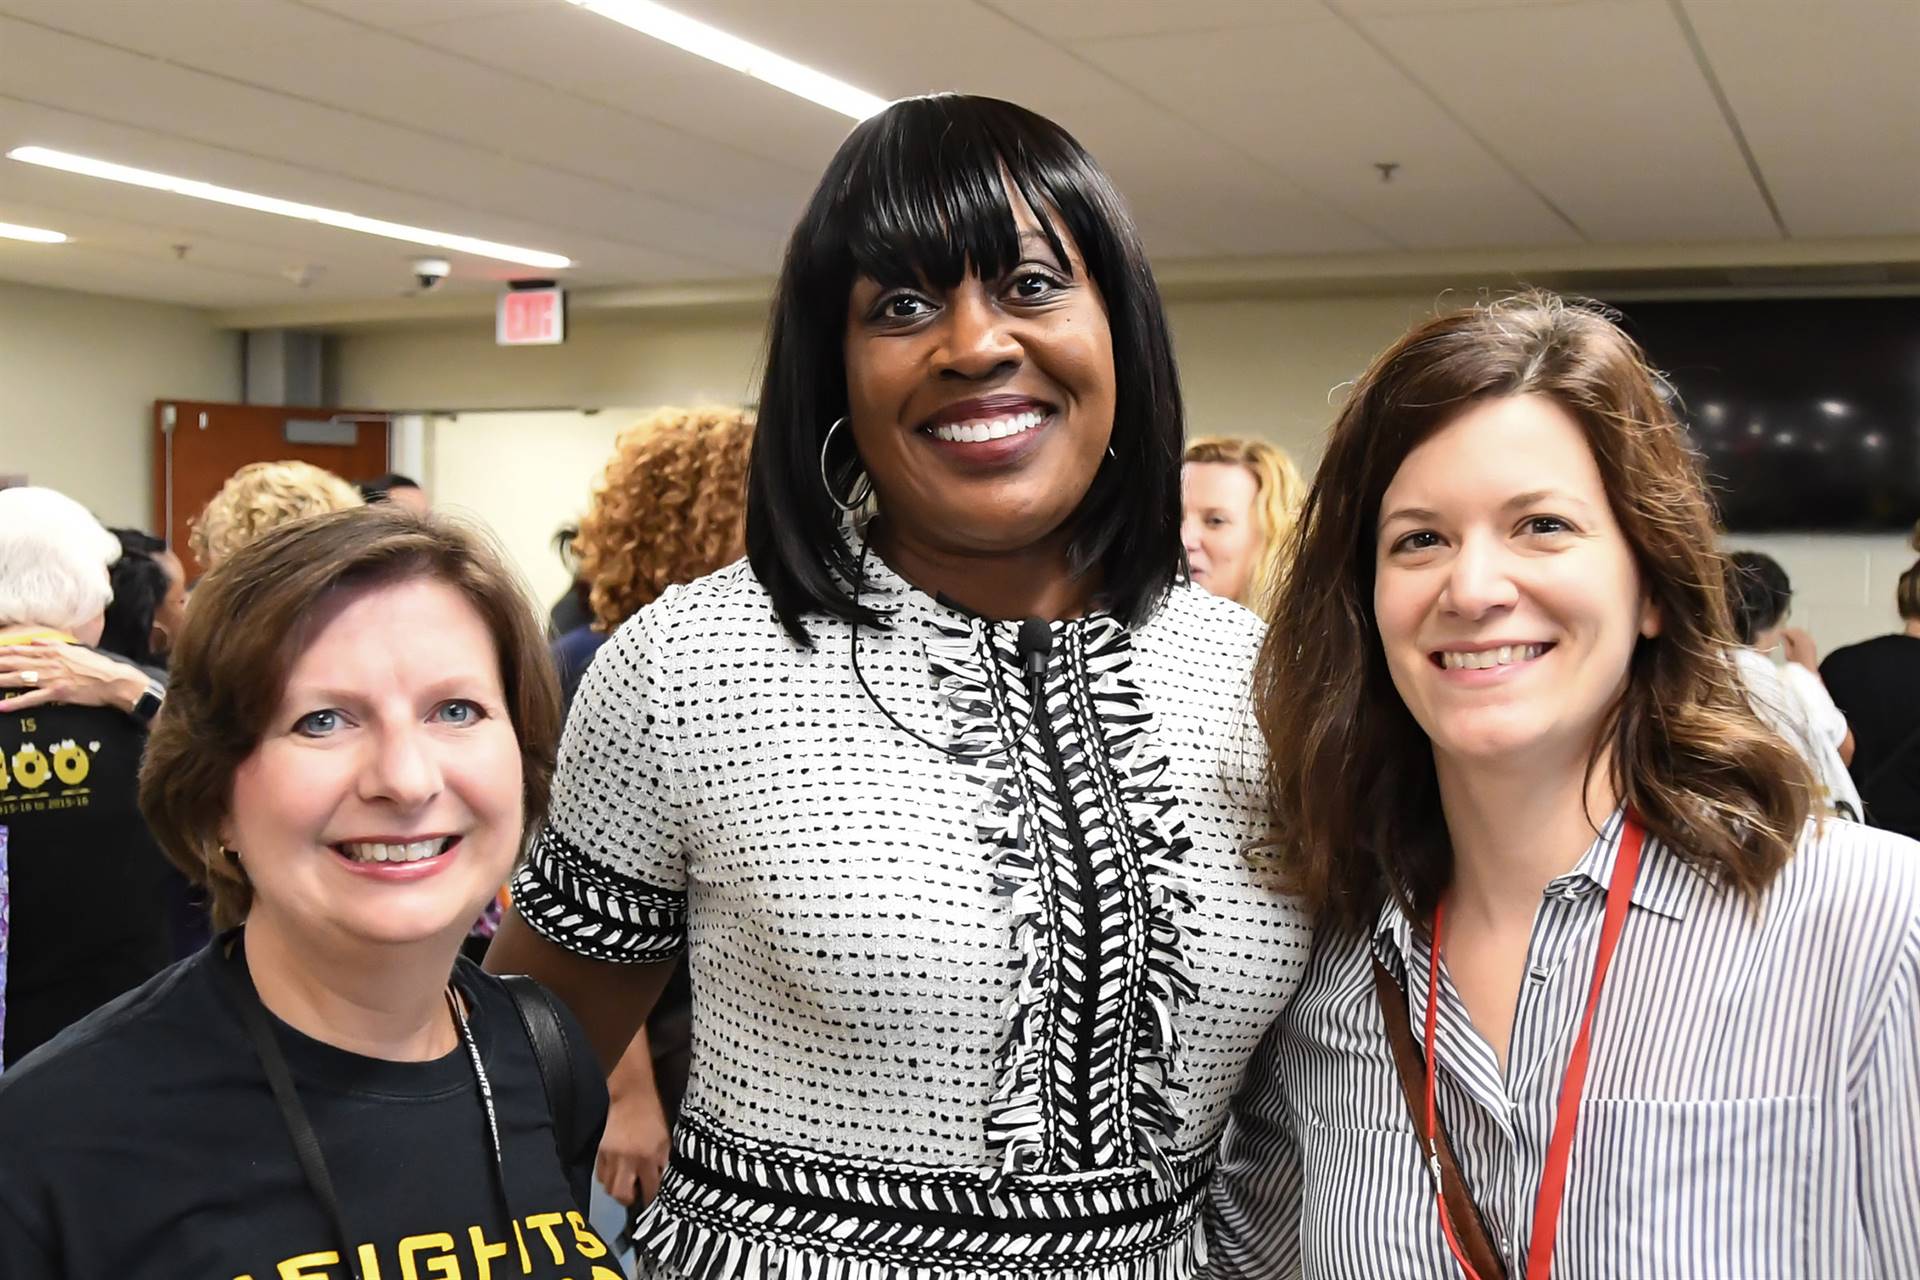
x,y
255,500
85,879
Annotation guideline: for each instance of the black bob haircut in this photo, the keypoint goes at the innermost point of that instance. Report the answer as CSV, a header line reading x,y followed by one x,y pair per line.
x,y
380,488
139,585
1758,593
917,196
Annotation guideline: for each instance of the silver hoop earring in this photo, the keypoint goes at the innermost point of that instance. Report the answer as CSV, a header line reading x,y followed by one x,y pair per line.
x,y
862,490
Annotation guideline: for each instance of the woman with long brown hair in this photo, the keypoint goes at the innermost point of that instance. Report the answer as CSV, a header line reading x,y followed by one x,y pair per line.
x,y
1590,995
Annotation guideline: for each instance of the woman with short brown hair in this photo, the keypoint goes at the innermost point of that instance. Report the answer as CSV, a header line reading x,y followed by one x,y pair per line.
x,y
362,721
1590,995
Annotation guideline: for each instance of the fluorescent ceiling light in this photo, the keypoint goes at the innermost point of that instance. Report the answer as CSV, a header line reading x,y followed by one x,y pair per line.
x,y
92,168
39,235
743,56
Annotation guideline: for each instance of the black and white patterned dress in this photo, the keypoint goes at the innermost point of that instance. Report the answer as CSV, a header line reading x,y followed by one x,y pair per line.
x,y
953,1020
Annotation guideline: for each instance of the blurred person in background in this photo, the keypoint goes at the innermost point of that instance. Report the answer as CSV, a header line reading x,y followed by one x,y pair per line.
x,y
149,601
1239,500
571,611
670,507
1789,696
363,721
260,497
148,611
86,881
1876,685
401,491
257,498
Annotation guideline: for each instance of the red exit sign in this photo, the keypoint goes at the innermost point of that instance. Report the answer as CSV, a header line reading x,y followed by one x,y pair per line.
x,y
531,317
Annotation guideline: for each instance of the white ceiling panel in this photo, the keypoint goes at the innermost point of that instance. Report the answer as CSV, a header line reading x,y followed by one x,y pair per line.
x,y
1313,101
401,15
603,61
345,161
1828,95
170,215
1178,176
1071,23
1233,127
1603,108
899,48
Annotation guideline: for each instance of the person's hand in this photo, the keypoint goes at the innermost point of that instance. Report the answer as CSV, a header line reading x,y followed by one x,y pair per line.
x,y
1798,647
633,1150
52,671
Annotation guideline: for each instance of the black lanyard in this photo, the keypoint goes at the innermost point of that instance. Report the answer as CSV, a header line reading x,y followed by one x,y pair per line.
x,y
306,1144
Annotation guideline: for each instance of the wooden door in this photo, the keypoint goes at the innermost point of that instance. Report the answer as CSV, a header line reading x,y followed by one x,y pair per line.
x,y
197,446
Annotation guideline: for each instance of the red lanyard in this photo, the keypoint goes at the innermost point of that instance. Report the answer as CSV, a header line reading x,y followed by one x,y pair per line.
x,y
1553,1180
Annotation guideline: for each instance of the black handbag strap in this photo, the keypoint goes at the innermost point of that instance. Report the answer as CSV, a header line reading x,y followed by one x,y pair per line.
x,y
552,1054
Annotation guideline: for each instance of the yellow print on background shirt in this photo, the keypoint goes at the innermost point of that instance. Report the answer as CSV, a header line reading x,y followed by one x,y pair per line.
x,y
438,1255
25,775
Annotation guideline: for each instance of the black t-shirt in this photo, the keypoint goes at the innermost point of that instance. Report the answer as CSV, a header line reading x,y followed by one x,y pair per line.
x,y
1876,684
145,1144
89,887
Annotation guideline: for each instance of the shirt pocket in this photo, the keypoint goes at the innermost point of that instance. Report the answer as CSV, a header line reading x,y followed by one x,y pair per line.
x,y
1367,1210
1720,1190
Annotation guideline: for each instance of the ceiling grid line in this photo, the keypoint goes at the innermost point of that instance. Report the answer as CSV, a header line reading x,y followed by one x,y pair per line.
x,y
666,126
371,183
1359,29
1712,79
434,135
1257,161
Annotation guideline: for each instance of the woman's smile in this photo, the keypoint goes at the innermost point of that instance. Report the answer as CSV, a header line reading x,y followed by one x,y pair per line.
x,y
989,432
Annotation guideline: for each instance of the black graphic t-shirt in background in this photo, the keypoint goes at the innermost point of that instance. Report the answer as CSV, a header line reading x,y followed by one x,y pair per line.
x,y
1876,685
88,883
144,1144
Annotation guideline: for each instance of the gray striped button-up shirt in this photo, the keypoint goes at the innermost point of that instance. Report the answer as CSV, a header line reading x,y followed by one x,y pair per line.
x,y
1752,1108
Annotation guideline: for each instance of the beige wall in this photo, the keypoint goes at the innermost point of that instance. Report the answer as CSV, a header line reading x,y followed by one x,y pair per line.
x,y
1270,367
80,374
604,361
546,487
1261,367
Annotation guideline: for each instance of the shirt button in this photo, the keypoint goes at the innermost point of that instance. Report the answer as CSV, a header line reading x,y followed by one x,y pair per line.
x,y
1540,972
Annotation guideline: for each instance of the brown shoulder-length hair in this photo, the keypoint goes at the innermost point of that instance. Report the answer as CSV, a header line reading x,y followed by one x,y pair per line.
x,y
1356,806
249,619
670,507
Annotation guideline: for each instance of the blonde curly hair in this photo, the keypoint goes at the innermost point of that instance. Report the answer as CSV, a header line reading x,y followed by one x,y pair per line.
x,y
670,507
1279,491
262,496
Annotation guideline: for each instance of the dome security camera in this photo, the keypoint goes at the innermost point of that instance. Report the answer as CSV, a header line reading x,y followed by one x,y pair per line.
x,y
429,272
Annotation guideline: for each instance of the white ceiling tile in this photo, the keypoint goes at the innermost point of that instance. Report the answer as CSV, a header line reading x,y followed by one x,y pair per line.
x,y
1233,127
402,14
1314,102
1177,176
1074,22
1600,105
298,150
1828,95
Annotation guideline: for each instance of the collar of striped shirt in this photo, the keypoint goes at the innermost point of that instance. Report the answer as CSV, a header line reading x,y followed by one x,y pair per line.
x,y
1667,885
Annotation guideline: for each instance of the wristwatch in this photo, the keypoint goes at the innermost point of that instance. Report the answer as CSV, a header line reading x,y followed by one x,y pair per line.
x,y
148,704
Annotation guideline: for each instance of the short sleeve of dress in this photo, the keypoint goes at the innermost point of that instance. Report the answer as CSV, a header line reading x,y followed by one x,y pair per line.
x,y
606,876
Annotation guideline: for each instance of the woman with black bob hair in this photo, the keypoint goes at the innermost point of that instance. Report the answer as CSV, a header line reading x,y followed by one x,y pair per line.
x,y
876,215
945,791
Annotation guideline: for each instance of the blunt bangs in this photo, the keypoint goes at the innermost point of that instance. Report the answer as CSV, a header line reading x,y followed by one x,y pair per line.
x,y
930,203
921,196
